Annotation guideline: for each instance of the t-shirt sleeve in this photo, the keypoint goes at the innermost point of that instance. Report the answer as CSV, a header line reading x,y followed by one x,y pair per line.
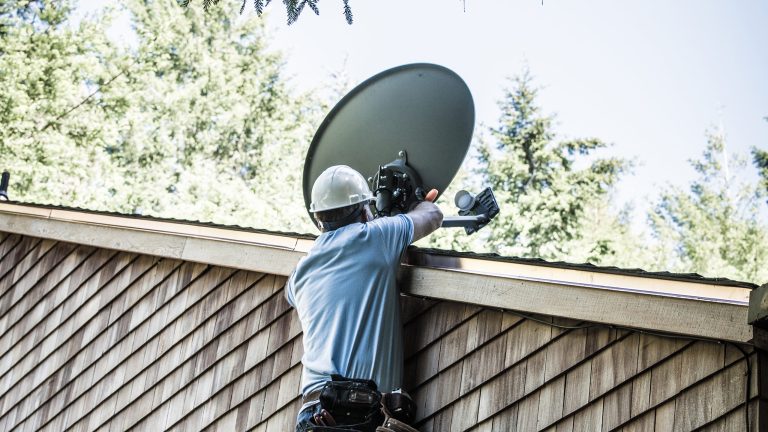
x,y
397,232
289,288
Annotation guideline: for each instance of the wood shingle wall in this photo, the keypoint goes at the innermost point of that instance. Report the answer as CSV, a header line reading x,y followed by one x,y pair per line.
x,y
476,369
94,339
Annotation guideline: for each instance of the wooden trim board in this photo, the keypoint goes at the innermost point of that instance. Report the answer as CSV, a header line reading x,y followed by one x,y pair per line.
x,y
684,316
248,251
657,305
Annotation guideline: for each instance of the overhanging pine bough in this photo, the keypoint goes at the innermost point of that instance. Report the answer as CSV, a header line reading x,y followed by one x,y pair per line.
x,y
292,7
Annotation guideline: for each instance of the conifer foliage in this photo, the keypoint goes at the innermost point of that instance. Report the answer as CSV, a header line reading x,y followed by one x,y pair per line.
x,y
542,191
293,8
194,122
715,227
46,68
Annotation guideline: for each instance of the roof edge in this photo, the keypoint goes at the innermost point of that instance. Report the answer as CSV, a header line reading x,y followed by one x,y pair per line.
x,y
691,308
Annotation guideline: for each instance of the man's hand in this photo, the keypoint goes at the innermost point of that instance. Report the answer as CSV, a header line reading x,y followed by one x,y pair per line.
x,y
426,216
324,418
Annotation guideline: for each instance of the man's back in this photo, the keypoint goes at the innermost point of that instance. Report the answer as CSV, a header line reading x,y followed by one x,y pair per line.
x,y
345,294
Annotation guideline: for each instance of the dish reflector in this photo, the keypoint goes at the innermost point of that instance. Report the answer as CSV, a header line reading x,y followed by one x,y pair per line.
x,y
424,109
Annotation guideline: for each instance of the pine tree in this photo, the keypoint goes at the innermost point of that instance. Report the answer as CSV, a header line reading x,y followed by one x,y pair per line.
x,y
194,122
212,131
542,193
54,123
715,228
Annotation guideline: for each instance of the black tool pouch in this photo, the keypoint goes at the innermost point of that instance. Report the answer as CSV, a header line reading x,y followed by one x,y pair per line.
x,y
350,401
400,407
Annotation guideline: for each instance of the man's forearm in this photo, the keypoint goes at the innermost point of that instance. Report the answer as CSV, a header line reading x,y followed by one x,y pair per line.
x,y
426,217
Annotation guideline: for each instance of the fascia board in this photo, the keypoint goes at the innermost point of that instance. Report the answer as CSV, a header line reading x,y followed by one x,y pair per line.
x,y
684,316
243,250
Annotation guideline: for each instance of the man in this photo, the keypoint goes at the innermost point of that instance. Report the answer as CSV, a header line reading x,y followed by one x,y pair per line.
x,y
345,294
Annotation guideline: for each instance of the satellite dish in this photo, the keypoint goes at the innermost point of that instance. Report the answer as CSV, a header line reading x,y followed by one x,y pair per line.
x,y
422,109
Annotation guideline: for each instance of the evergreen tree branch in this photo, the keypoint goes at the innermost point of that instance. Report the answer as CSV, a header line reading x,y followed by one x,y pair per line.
x,y
313,5
293,8
347,12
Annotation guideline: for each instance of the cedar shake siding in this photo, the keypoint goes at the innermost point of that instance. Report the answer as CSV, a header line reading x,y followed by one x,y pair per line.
x,y
94,339
106,324
478,369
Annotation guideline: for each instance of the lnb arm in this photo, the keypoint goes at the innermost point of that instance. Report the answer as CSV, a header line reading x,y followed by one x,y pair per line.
x,y
475,212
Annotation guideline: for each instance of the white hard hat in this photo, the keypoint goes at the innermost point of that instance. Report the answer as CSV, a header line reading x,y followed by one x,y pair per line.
x,y
339,186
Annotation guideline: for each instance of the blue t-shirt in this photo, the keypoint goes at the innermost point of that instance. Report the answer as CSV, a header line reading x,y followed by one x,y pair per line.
x,y
345,294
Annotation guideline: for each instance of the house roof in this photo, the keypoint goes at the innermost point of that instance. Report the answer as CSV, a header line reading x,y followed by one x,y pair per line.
x,y
680,303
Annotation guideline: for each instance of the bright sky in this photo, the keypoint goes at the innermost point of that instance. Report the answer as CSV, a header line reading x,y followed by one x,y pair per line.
x,y
648,77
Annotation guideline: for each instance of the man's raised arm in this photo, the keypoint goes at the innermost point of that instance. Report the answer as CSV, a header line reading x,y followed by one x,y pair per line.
x,y
426,216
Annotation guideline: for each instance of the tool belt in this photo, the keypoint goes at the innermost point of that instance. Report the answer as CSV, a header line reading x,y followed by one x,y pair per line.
x,y
351,401
357,405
